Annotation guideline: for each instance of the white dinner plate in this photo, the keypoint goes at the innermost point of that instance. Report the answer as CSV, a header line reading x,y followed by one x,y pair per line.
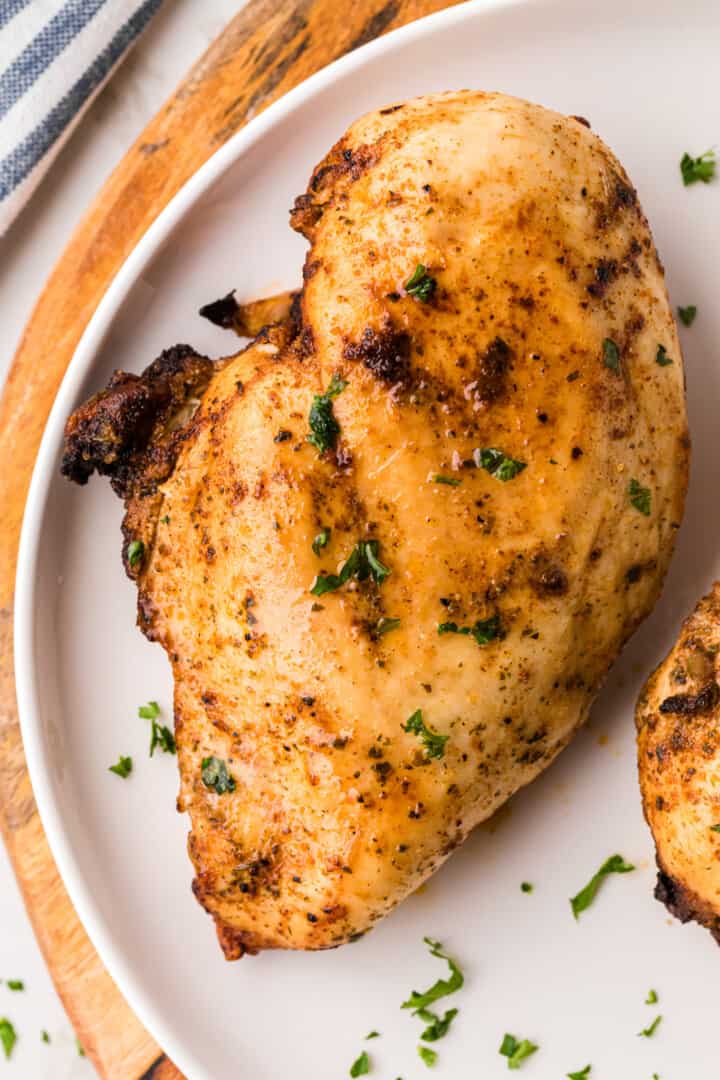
x,y
645,72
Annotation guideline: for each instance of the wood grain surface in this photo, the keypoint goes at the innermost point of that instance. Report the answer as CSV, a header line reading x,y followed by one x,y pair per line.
x,y
269,47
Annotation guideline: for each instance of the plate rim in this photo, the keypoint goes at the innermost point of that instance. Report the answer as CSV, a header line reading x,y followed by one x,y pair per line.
x,y
85,354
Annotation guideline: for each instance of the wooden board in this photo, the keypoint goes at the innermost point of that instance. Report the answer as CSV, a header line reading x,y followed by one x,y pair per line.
x,y
269,47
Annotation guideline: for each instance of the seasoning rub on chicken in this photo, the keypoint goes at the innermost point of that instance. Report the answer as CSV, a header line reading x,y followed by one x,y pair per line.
x,y
678,724
393,546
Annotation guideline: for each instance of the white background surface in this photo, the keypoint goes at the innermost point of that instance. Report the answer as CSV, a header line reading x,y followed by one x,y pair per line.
x,y
178,35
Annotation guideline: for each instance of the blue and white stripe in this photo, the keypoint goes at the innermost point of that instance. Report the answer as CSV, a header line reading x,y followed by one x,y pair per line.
x,y
55,55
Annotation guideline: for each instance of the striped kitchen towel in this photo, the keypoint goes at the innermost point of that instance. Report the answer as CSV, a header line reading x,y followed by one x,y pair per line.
x,y
55,55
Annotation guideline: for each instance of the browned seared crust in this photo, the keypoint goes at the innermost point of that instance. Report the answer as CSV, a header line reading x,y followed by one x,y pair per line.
x,y
678,723
131,432
112,431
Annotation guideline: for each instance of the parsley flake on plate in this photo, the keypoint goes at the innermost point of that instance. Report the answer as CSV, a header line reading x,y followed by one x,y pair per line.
x,y
652,997
640,497
614,865
527,887
421,285
516,1051
484,630
687,314
123,767
163,737
324,428
372,1035
433,743
15,984
160,735
362,563
698,168
441,988
8,1036
437,1026
44,1036
583,1074
497,463
361,1065
216,776
428,1056
650,1030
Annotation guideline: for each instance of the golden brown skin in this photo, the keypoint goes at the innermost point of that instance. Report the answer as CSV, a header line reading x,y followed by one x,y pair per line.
x,y
539,250
678,723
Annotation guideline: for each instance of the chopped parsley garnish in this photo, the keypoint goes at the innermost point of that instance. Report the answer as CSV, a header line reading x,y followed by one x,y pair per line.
x,y
484,631
715,828
497,463
437,1027
321,540
428,1056
433,743
582,1075
372,1035
362,563
163,737
123,767
165,519
135,552
516,1052
451,481
81,1052
361,1065
160,735
8,1038
652,997
687,314
661,357
614,865
639,497
216,776
651,1029
324,428
439,989
44,1036
15,984
385,625
611,355
526,887
699,168
421,285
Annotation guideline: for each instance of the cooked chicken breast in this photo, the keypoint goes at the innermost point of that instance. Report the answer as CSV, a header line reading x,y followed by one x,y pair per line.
x,y
395,549
678,723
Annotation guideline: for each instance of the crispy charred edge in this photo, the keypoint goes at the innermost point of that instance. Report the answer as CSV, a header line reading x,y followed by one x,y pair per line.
x,y
118,432
343,165
251,318
684,904
131,432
